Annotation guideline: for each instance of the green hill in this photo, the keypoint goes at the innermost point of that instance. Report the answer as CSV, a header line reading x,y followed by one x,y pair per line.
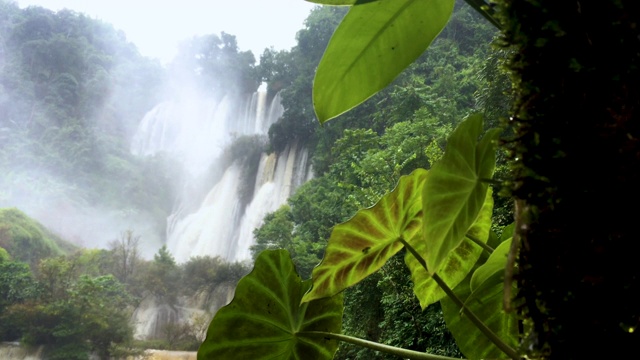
x,y
27,240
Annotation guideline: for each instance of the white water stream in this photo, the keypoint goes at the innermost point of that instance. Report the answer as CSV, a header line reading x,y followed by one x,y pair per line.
x,y
196,132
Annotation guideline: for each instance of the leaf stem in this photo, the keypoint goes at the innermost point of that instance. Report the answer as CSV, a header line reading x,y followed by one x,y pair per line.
x,y
485,10
403,353
494,182
512,353
483,245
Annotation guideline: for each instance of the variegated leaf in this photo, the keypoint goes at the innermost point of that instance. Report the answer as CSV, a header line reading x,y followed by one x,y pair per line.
x,y
455,191
363,244
457,265
266,319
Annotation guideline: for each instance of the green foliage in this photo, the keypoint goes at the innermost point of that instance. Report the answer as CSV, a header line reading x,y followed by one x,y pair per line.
x,y
71,314
359,159
458,262
162,276
391,40
276,69
27,240
363,244
4,255
204,274
218,65
276,325
315,208
488,306
405,323
100,302
492,271
296,76
383,308
275,233
368,165
409,217
17,286
456,190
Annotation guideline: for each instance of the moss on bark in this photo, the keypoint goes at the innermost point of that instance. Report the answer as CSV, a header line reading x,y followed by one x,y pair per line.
x,y
576,157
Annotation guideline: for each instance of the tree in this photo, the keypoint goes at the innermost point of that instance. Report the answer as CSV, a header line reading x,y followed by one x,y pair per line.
x,y
70,314
576,111
298,122
217,65
205,275
17,286
275,233
162,276
126,256
102,304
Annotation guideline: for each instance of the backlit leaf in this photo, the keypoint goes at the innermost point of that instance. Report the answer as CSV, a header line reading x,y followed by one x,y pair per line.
x,y
494,265
374,42
454,193
266,320
507,232
457,265
363,244
487,305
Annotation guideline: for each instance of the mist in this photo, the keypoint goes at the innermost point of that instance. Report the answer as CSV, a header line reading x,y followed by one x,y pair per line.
x,y
102,140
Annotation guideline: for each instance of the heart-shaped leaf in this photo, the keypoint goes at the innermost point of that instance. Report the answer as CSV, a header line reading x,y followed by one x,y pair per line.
x,y
454,192
266,319
457,265
374,42
360,246
487,306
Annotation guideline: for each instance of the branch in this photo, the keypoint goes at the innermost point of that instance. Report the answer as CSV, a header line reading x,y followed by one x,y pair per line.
x,y
483,245
486,11
400,352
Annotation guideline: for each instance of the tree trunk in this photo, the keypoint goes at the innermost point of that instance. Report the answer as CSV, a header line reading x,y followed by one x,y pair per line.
x,y
576,157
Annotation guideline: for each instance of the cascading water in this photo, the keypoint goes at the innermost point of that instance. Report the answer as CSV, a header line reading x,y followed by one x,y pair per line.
x,y
220,220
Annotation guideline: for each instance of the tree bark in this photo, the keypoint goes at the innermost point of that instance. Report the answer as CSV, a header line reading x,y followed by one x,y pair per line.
x,y
576,160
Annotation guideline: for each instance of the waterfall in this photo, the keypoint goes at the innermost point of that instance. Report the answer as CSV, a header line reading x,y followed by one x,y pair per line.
x,y
196,132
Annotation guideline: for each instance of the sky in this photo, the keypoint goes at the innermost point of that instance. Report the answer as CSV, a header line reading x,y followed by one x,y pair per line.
x,y
156,27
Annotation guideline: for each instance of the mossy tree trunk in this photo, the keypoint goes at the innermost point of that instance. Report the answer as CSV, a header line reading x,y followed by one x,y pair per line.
x,y
577,162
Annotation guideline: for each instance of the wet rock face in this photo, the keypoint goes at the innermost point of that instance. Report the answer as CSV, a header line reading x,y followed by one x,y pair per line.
x,y
13,351
153,316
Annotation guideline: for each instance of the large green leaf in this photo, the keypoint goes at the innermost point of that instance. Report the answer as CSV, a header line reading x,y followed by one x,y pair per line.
x,y
360,246
457,265
454,192
487,305
371,46
508,232
492,271
266,320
